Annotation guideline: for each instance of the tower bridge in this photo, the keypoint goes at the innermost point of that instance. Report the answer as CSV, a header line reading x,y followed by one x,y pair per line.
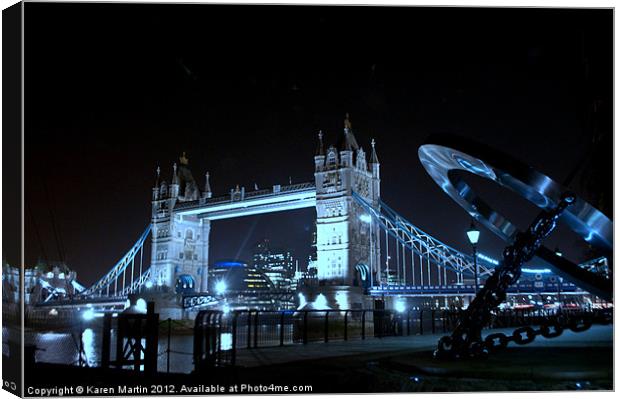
x,y
364,247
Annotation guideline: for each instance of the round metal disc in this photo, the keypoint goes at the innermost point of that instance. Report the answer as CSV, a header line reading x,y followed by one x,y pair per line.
x,y
443,155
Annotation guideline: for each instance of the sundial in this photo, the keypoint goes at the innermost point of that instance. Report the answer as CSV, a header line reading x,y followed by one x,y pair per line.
x,y
444,155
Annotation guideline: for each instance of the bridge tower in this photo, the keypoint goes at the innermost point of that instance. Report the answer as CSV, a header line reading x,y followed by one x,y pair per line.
x,y
180,243
348,250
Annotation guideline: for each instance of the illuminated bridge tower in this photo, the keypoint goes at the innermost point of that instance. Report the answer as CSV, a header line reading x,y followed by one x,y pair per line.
x,y
348,249
180,243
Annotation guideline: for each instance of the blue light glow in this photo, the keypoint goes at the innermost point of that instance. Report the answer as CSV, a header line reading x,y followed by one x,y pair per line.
x,y
365,218
321,302
141,305
230,264
88,343
220,287
302,300
536,271
226,341
88,315
400,306
479,170
473,236
342,299
488,259
524,270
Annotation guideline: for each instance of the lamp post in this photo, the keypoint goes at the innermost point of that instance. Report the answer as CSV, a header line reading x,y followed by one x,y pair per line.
x,y
473,234
559,253
387,270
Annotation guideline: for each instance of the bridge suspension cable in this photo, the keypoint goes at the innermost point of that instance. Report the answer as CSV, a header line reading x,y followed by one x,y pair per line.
x,y
428,249
108,285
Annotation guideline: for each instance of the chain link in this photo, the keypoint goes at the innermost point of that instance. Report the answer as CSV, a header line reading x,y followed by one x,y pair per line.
x,y
550,328
466,339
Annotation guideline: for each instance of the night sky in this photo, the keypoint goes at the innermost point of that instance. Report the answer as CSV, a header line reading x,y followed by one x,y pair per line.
x,y
112,91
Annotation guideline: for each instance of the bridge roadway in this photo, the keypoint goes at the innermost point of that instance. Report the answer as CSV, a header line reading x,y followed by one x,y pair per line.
x,y
537,288
237,204
102,302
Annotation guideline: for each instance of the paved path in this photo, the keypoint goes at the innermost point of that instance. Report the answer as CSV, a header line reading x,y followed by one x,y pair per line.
x,y
596,336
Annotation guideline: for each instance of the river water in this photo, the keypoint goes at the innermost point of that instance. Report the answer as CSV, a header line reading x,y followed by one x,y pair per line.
x,y
63,347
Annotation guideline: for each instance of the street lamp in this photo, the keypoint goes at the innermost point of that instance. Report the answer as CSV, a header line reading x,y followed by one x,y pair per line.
x,y
559,253
473,234
387,270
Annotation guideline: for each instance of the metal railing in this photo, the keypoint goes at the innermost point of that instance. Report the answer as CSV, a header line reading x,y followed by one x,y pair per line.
x,y
219,336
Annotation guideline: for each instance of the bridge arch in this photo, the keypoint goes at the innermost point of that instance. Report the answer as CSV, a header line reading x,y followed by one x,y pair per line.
x,y
185,284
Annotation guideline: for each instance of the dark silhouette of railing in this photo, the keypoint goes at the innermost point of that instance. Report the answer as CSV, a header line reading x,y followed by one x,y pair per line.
x,y
137,338
218,336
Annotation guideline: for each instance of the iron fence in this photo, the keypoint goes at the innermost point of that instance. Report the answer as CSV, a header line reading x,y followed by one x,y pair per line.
x,y
183,346
218,335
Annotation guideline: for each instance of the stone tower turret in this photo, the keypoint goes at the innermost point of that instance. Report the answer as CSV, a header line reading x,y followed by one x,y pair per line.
x,y
346,238
180,244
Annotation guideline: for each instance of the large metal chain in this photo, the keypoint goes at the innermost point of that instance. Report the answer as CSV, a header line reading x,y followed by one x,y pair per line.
x,y
548,329
466,339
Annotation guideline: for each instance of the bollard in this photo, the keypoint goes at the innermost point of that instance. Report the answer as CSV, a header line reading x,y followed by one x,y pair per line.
x,y
217,337
363,324
198,342
152,336
256,329
346,316
249,329
443,321
421,322
327,326
168,350
408,323
305,327
281,328
233,355
105,341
